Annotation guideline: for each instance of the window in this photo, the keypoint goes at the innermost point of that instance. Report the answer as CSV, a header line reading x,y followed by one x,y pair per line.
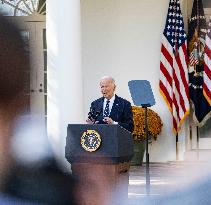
x,y
22,7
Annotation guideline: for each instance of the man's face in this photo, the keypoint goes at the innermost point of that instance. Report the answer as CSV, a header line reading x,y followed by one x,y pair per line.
x,y
107,88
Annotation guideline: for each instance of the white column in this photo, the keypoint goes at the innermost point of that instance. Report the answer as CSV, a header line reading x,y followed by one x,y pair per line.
x,y
65,97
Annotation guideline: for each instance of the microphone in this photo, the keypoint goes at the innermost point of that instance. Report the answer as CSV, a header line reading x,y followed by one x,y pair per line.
x,y
93,114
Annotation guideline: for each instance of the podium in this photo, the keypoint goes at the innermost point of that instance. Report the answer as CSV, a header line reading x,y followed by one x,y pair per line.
x,y
103,173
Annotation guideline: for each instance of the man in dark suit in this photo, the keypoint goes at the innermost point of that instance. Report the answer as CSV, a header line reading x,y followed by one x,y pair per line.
x,y
111,109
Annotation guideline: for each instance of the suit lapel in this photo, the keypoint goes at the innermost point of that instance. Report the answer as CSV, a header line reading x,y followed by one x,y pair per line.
x,y
115,108
100,105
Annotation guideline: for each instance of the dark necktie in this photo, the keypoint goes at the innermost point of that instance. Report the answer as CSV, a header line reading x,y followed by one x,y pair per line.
x,y
106,111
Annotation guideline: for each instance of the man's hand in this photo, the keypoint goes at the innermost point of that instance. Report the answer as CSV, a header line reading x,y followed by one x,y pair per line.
x,y
108,120
88,121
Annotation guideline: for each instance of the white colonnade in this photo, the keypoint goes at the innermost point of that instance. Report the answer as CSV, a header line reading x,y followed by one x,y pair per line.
x,y
65,96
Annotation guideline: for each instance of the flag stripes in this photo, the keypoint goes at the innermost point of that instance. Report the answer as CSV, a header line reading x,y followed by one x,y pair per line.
x,y
207,66
174,83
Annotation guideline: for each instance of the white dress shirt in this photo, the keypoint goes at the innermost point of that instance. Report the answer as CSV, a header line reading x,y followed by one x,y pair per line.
x,y
111,102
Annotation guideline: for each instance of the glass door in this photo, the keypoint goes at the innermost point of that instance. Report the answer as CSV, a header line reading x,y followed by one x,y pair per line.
x,y
30,17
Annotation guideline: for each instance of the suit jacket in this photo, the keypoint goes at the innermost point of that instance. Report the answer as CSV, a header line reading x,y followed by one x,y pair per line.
x,y
121,112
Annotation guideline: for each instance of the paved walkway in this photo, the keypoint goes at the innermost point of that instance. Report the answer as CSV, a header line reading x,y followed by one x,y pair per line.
x,y
166,179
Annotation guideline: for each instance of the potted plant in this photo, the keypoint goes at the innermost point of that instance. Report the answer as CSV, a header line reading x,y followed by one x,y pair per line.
x,y
154,128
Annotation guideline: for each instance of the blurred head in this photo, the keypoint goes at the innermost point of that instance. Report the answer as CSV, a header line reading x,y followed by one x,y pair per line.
x,y
14,66
107,85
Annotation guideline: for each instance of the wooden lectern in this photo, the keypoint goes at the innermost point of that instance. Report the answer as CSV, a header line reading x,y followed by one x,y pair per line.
x,y
99,156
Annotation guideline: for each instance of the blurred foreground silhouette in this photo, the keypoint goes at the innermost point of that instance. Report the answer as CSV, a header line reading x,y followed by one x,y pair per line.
x,y
29,174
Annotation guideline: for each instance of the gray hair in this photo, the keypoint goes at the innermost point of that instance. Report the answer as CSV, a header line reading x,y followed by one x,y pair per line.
x,y
108,78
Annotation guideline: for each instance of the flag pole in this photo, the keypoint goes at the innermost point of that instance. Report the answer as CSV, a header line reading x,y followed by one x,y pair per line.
x,y
197,135
191,137
147,154
177,147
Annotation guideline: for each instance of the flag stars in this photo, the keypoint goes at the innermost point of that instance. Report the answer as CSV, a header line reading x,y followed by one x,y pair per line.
x,y
193,18
174,30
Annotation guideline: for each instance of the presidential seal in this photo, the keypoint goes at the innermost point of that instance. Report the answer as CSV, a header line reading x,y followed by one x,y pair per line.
x,y
90,140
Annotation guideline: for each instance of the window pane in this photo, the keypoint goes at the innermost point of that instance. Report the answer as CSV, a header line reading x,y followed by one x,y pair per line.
x,y
204,132
45,82
22,7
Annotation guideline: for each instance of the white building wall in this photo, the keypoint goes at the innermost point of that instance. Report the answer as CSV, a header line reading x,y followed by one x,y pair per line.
x,y
121,38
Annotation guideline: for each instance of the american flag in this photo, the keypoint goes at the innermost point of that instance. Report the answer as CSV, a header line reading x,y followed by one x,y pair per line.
x,y
207,65
173,66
